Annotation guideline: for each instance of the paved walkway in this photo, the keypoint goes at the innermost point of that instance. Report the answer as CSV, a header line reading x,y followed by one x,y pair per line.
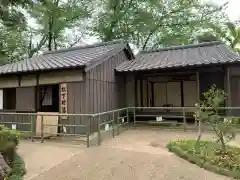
x,y
134,155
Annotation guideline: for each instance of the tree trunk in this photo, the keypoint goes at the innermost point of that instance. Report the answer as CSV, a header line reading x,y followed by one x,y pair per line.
x,y
221,138
50,36
50,32
199,131
55,42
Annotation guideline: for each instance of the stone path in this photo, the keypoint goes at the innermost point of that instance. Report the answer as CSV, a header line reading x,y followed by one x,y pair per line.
x,y
133,155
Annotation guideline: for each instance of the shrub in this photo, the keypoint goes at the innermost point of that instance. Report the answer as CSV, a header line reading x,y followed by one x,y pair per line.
x,y
209,112
209,156
9,140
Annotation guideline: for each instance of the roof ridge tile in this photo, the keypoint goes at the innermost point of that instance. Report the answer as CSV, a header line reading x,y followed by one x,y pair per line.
x,y
183,47
119,41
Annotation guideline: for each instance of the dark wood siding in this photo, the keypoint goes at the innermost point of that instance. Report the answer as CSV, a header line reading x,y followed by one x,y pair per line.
x,y
25,98
102,86
76,105
234,73
24,103
102,83
9,119
207,79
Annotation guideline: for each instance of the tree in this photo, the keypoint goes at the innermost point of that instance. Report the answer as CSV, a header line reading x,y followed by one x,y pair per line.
x,y
54,17
229,32
153,23
207,37
209,113
11,14
13,45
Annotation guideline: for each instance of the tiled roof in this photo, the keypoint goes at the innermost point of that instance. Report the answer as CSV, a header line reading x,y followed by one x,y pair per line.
x,y
181,56
82,56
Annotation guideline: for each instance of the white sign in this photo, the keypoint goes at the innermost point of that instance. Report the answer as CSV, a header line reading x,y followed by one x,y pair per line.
x,y
123,120
106,127
159,119
64,129
14,126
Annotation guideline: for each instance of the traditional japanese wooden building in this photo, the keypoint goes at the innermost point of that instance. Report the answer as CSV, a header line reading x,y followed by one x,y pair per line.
x,y
79,80
107,76
177,77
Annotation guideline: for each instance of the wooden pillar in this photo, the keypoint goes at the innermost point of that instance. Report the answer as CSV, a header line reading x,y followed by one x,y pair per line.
x,y
198,90
141,92
229,103
152,93
198,87
19,80
182,94
147,94
37,95
136,91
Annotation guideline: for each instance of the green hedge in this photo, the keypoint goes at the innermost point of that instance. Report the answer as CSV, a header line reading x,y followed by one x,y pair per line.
x,y
209,156
9,140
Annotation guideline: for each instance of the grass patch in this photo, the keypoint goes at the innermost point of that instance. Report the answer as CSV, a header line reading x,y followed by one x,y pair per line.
x,y
208,155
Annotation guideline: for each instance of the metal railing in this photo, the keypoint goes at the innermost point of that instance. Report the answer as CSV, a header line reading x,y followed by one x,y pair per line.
x,y
86,125
114,118
164,112
180,113
34,125
77,125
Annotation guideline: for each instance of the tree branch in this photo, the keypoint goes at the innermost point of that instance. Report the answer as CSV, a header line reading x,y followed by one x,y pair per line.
x,y
114,22
158,26
167,15
39,46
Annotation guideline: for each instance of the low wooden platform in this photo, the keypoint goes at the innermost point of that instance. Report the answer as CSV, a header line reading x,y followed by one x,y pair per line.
x,y
163,114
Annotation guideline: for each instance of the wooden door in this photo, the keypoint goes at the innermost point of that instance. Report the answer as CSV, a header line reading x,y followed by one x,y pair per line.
x,y
189,93
174,93
235,95
160,94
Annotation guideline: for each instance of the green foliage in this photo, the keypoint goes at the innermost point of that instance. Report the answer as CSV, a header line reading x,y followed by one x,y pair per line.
x,y
147,24
207,37
53,18
10,13
228,32
209,156
9,139
18,169
154,23
209,112
13,45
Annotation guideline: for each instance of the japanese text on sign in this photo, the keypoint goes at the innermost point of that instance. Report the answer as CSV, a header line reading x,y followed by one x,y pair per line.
x,y
63,100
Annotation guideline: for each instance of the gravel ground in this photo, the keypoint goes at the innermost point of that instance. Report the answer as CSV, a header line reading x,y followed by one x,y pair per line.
x,y
133,155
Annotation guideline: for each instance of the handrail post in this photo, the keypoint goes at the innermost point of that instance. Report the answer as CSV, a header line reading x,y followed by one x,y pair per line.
x,y
118,116
89,132
42,129
134,116
32,128
184,120
127,118
99,130
113,125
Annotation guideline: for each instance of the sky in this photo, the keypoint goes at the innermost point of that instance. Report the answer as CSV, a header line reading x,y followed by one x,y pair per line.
x,y
233,8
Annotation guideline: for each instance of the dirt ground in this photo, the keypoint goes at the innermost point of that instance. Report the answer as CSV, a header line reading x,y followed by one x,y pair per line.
x,y
138,154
